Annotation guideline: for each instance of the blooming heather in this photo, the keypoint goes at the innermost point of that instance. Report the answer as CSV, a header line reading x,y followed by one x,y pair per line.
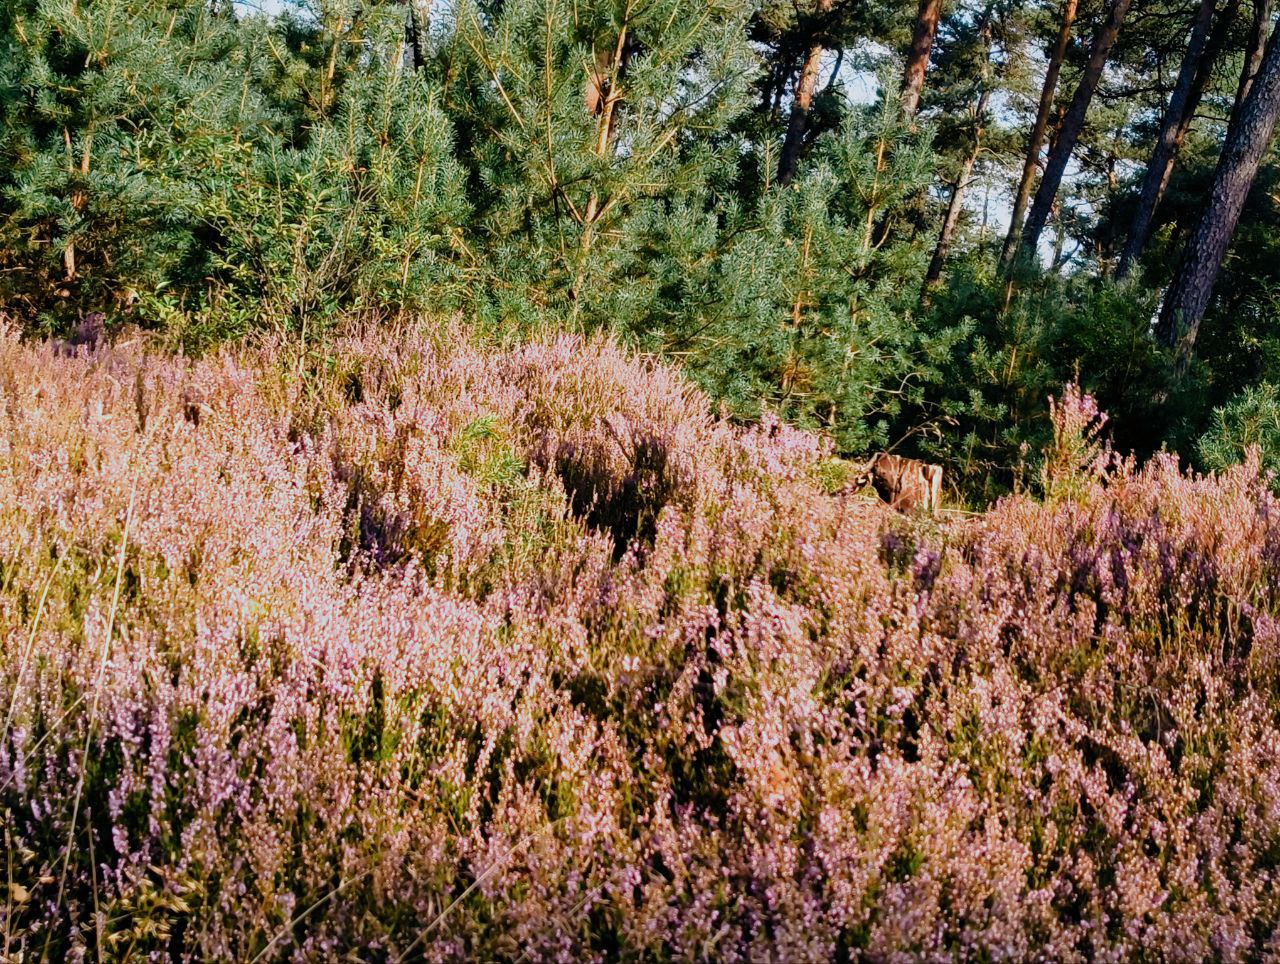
x,y
409,648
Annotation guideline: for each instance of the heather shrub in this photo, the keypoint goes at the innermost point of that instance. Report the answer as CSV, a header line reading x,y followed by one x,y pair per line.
x,y
1078,455
313,654
625,506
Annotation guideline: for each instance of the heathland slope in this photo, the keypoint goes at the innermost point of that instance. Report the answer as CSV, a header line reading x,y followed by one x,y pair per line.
x,y
404,647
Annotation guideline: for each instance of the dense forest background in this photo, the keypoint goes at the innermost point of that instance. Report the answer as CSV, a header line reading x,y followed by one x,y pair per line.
x,y
901,223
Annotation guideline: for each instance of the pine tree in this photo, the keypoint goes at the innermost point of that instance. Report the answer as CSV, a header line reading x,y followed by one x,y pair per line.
x,y
1035,141
1068,133
926,28
587,119
1172,130
1247,140
966,75
792,304
1252,61
802,97
364,215
112,118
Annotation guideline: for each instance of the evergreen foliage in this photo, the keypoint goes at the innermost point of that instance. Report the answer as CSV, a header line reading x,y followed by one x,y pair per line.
x,y
117,119
1250,420
193,166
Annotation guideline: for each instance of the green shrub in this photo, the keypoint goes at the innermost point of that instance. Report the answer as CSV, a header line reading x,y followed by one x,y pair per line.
x,y
1251,419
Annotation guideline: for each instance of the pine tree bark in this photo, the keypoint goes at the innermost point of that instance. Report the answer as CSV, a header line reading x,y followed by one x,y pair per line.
x,y
1247,141
1169,140
602,95
1204,75
802,102
934,274
417,25
927,17
1261,29
1072,125
1023,196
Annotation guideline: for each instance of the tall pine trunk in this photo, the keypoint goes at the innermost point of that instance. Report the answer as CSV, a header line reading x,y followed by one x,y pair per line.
x,y
1072,125
1247,141
927,17
802,102
934,275
420,22
1032,162
1168,141
602,95
1253,55
1204,75
417,22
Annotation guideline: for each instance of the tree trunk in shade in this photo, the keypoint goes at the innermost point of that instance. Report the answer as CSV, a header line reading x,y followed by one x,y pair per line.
x,y
417,23
1023,196
943,248
802,102
1072,125
1247,141
1258,35
1168,141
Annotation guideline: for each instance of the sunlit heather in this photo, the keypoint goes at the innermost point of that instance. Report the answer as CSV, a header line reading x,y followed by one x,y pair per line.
x,y
407,647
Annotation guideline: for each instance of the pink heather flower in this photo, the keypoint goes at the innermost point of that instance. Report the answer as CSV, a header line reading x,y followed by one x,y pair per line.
x,y
364,679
